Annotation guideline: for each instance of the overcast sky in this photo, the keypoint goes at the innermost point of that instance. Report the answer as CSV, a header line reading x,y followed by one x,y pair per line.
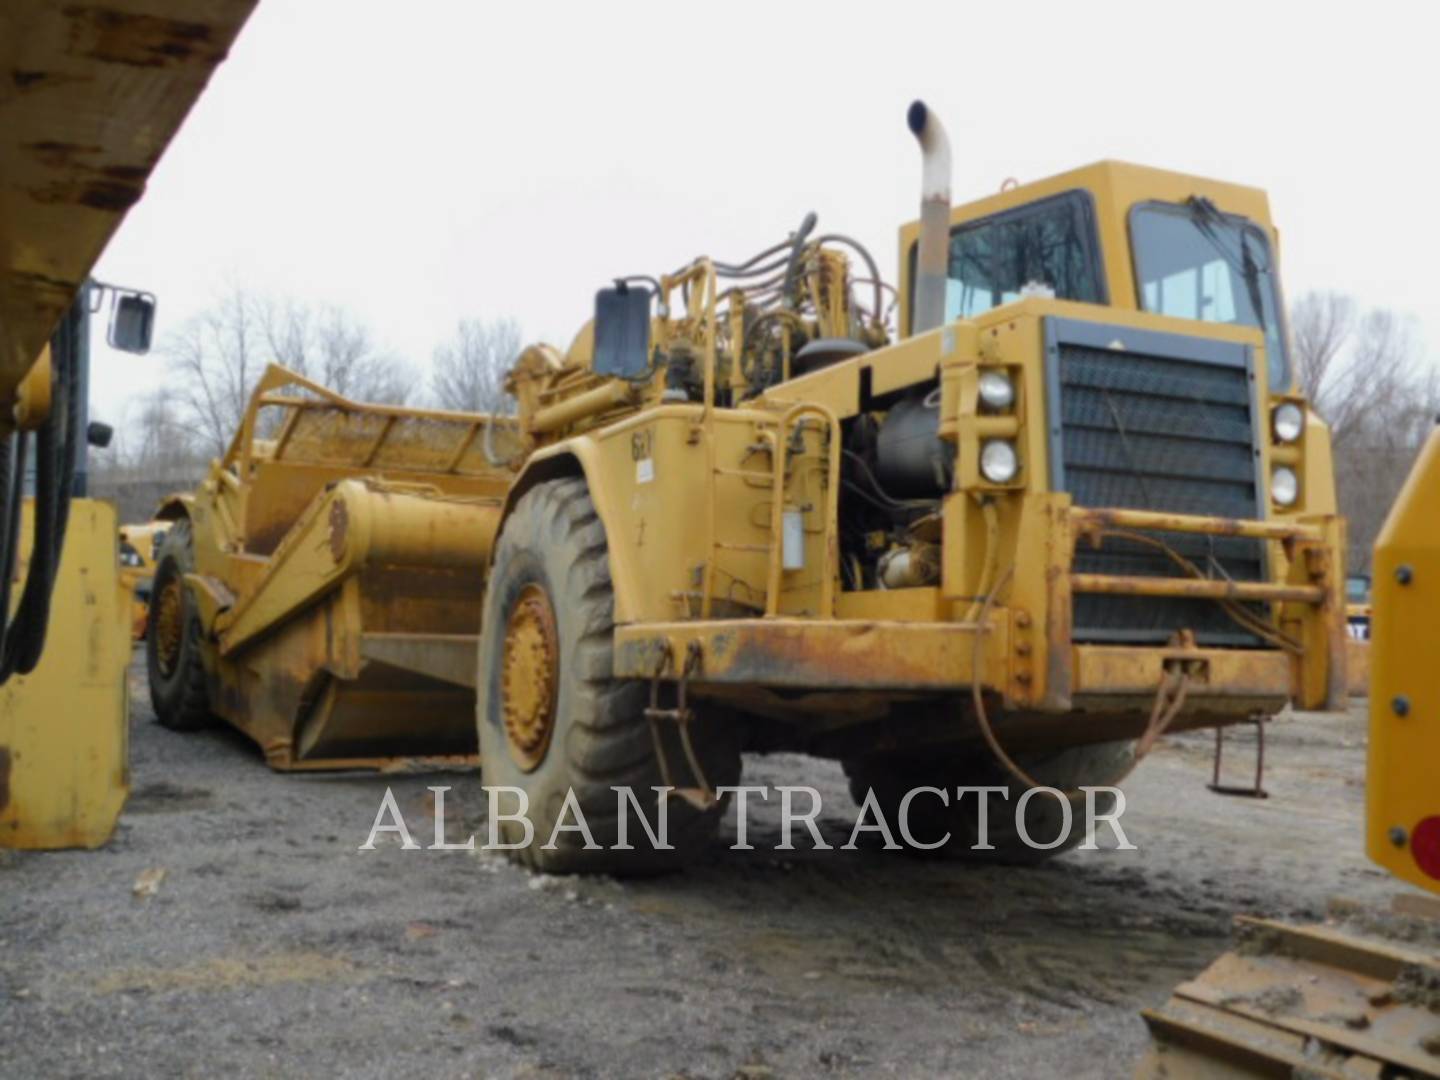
x,y
428,160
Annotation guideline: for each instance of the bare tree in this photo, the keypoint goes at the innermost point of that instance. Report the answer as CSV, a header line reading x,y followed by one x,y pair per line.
x,y
1320,324
217,356
469,369
332,347
1364,375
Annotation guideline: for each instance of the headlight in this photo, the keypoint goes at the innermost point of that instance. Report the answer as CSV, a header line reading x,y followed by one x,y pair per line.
x,y
1284,486
998,462
1288,421
996,390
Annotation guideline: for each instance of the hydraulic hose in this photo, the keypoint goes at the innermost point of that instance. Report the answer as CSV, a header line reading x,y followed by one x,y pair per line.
x,y
57,445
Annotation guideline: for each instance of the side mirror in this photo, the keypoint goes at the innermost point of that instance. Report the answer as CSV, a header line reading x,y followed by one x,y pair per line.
x,y
622,331
132,322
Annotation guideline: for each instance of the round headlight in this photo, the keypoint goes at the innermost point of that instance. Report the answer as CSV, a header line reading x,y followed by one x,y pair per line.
x,y
1284,486
1288,421
998,462
996,390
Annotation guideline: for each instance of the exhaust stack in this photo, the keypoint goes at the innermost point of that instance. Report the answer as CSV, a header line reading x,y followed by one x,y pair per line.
x,y
932,261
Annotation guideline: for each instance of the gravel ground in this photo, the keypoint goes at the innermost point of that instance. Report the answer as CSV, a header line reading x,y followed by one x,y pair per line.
x,y
273,947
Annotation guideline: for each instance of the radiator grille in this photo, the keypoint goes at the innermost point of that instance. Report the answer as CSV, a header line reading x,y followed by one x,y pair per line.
x,y
1156,428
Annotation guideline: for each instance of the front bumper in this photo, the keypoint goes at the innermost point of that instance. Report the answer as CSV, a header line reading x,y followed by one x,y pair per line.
x,y
1024,653
929,657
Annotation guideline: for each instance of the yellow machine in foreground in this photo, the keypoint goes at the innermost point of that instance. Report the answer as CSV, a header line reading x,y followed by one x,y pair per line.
x,y
1359,995
1076,502
89,97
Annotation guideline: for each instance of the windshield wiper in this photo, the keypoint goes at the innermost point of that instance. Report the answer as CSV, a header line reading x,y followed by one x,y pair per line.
x,y
1205,217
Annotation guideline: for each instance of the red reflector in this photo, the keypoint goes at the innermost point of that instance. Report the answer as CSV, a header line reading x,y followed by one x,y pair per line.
x,y
1425,846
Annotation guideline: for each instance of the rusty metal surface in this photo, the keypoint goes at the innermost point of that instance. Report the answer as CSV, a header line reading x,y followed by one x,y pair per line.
x,y
1357,997
90,95
804,653
1215,526
1196,587
348,528
1121,669
450,658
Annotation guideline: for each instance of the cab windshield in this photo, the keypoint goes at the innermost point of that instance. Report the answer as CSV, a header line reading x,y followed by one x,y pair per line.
x,y
1193,262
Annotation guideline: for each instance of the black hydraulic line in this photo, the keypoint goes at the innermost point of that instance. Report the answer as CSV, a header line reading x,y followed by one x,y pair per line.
x,y
22,638
797,246
12,477
740,268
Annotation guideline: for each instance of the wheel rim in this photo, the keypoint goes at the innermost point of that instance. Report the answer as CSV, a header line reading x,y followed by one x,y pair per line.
x,y
530,672
169,617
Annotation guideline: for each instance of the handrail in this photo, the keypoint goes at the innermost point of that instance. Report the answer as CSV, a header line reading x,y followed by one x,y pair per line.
x,y
777,509
269,392
1200,588
1121,518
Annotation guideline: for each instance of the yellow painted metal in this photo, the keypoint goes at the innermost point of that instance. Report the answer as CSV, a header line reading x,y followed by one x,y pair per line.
x,y
139,548
604,397
1189,523
337,605
90,96
63,728
1402,788
802,652
1115,187
348,528
32,397
1213,590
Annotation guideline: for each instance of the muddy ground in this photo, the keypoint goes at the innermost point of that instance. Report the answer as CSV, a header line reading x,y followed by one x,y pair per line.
x,y
273,947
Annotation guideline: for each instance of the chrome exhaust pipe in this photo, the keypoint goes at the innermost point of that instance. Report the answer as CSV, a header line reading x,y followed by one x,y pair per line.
x,y
932,263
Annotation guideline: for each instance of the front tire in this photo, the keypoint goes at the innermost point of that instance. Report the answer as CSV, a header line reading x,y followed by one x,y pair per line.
x,y
552,717
173,649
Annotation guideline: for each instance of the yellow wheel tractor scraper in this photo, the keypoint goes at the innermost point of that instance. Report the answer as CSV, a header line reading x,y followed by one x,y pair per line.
x,y
1076,499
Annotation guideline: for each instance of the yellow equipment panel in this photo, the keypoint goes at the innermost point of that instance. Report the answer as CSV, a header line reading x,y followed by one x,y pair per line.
x,y
1403,786
64,770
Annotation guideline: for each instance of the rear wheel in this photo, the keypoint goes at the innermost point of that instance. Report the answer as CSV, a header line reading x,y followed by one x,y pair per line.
x,y
172,639
553,720
930,819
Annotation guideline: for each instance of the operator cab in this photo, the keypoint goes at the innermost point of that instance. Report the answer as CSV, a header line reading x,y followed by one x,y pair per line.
x,y
1122,236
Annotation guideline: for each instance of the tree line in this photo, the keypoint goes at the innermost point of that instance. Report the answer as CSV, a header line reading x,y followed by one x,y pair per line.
x,y
166,439
1361,369
1364,372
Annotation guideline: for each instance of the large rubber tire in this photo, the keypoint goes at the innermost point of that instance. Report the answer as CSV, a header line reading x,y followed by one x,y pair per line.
x,y
929,819
555,542
176,666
